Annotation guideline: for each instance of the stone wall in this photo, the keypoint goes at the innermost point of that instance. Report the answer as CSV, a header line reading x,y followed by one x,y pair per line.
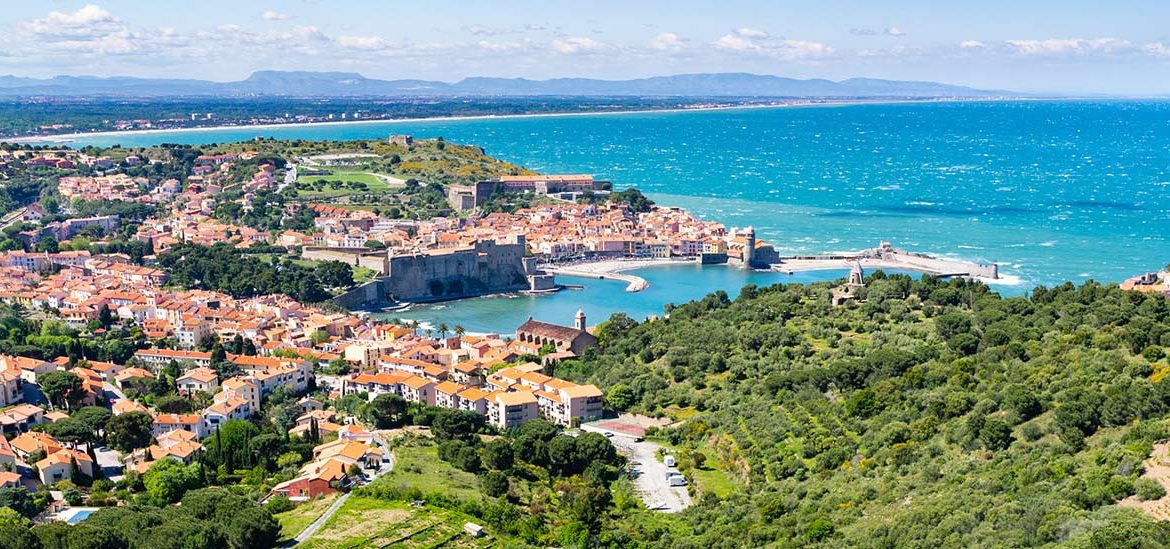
x,y
439,275
451,274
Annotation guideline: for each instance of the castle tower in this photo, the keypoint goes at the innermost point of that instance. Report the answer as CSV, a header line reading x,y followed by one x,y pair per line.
x,y
579,320
749,248
856,275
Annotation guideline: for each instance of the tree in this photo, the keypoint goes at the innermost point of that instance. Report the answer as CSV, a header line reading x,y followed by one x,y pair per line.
x,y
63,389
105,317
71,431
20,500
563,457
595,448
995,434
456,424
172,404
497,455
386,411
168,479
495,484
251,527
94,418
335,274
130,431
620,397
14,531
230,446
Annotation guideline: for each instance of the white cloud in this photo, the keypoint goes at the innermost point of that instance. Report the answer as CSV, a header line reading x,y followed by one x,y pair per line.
x,y
1156,49
1066,47
889,31
972,45
484,30
271,15
667,41
89,22
760,44
732,42
364,43
578,46
751,33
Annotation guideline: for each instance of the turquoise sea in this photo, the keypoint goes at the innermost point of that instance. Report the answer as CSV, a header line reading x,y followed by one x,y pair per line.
x,y
1051,190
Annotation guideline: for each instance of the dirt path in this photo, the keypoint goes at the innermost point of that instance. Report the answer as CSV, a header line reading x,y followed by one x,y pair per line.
x,y
1158,468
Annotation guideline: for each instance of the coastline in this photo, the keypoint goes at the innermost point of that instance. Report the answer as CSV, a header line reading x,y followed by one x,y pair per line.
x,y
614,269
65,139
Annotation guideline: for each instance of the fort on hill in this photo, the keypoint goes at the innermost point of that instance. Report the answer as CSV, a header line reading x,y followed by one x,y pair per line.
x,y
568,187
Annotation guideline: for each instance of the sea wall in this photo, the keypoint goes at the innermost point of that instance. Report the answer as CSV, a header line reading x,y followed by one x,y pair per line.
x,y
371,295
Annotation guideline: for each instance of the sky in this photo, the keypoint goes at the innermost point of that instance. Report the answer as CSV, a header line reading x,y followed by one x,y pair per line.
x,y
1069,46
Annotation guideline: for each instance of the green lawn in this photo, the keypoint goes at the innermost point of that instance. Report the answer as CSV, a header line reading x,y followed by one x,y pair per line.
x,y
420,466
292,522
374,183
368,522
362,275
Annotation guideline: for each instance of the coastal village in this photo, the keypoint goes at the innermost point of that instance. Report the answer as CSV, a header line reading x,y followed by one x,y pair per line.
x,y
175,354
189,361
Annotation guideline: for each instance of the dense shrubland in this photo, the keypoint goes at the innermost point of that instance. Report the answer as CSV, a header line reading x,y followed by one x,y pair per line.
x,y
934,413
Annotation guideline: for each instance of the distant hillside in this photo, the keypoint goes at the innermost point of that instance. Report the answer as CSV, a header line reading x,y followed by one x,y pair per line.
x,y
344,84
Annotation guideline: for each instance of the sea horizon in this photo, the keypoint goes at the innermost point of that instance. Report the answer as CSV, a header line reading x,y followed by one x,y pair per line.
x,y
1052,191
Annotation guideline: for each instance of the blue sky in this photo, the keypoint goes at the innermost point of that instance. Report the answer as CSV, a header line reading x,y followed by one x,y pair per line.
x,y
1041,45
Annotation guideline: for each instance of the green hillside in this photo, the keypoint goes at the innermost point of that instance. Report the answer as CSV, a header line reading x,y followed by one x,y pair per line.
x,y
933,414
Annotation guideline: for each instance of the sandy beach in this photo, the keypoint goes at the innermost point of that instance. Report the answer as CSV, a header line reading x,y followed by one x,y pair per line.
x,y
66,138
613,269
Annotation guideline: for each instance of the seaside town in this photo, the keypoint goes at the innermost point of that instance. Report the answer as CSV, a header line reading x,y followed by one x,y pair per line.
x,y
153,363
166,307
536,275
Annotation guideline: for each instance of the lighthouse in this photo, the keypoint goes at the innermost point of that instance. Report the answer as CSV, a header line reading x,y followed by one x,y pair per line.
x,y
749,247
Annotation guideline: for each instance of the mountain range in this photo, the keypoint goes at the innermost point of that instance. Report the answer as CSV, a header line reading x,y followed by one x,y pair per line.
x,y
346,84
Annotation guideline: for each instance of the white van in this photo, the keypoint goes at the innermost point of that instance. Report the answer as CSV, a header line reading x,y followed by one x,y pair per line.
x,y
678,480
669,461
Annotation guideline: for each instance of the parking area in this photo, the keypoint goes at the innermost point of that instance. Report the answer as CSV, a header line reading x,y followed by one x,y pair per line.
x,y
650,475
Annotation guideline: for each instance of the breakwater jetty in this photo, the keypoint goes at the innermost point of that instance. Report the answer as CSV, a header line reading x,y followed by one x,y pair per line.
x,y
886,256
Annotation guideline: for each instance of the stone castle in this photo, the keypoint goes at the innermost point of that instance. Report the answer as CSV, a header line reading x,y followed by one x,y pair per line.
x,y
441,274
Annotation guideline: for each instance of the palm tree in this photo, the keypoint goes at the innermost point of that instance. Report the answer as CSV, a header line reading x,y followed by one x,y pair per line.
x,y
459,331
443,330
414,327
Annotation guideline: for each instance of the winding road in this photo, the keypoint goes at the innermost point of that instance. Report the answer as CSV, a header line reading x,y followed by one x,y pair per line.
x,y
316,525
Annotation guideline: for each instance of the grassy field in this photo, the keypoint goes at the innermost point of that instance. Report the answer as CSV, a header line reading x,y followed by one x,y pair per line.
x,y
367,522
420,466
374,183
292,522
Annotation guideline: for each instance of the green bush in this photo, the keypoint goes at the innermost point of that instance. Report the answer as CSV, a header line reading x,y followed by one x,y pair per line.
x,y
1148,489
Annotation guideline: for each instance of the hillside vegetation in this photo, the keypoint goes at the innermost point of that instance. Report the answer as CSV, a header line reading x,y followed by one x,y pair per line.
x,y
933,414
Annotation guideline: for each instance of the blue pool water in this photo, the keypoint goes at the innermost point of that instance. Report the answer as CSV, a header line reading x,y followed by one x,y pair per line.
x,y
1052,190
